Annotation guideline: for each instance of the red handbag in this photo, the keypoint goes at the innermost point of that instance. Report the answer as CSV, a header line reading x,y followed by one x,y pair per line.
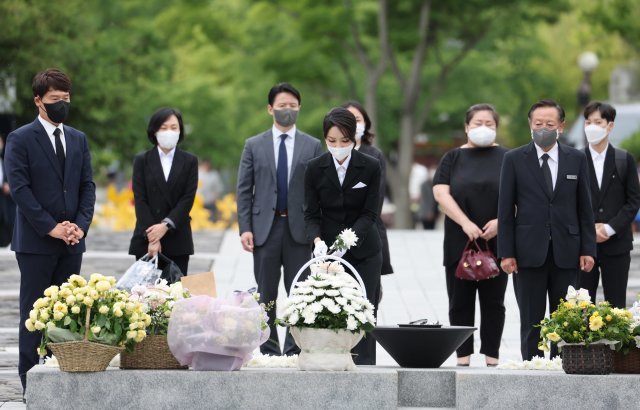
x,y
476,263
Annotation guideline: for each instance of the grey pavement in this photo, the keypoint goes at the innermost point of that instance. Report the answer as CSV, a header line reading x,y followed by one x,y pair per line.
x,y
417,290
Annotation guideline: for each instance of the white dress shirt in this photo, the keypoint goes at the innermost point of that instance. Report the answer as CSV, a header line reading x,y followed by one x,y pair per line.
x,y
288,144
552,161
341,169
49,128
598,165
166,160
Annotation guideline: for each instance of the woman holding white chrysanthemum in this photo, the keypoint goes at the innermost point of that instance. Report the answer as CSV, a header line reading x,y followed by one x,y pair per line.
x,y
342,191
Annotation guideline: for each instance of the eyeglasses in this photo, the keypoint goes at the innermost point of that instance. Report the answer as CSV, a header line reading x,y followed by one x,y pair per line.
x,y
423,322
251,290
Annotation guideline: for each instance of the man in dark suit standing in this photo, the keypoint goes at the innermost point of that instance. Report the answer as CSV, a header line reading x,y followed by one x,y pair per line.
x,y
48,168
615,195
545,221
270,196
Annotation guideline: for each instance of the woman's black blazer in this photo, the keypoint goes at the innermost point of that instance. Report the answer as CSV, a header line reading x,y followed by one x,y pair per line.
x,y
330,208
156,199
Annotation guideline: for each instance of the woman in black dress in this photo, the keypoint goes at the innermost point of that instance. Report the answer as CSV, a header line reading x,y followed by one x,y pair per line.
x,y
466,187
364,144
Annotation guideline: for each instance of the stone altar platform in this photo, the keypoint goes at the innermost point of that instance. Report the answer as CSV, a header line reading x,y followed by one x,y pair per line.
x,y
370,387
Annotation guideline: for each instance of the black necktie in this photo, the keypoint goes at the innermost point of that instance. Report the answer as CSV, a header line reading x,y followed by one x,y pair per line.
x,y
282,176
59,149
546,172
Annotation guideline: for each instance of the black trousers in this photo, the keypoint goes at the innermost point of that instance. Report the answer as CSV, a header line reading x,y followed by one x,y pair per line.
x,y
38,272
279,251
615,276
369,270
182,261
462,304
532,288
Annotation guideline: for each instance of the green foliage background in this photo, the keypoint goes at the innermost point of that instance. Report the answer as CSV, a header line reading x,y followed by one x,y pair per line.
x,y
215,60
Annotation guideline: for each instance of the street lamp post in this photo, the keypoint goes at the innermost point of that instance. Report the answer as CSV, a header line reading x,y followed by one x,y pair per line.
x,y
587,61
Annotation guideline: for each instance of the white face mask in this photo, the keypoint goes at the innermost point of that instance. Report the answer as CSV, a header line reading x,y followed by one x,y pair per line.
x,y
340,153
359,131
595,133
482,136
168,139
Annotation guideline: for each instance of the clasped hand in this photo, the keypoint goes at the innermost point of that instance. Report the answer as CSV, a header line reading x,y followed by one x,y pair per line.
x,y
67,231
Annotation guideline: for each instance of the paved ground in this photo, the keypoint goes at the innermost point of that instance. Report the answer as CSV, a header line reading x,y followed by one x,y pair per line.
x,y
417,289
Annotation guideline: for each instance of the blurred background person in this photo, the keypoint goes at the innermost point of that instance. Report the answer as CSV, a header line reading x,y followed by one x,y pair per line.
x,y
364,144
341,191
7,206
165,180
615,197
428,211
210,187
417,177
466,186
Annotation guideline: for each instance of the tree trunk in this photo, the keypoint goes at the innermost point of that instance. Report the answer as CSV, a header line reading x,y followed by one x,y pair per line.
x,y
403,218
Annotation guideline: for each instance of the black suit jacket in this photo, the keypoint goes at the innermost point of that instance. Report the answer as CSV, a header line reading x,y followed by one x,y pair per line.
x,y
616,202
156,199
528,218
44,195
331,208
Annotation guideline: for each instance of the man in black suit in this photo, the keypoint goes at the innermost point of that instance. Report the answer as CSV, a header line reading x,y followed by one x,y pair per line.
x,y
615,195
545,221
48,168
270,197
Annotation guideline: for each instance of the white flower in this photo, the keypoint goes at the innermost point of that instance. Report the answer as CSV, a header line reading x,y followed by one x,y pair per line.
x,y
332,292
349,237
361,317
341,300
320,283
335,309
318,292
316,307
309,317
293,318
349,309
352,324
577,295
308,298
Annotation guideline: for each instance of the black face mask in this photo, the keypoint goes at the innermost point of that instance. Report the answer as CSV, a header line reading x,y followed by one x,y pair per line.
x,y
57,111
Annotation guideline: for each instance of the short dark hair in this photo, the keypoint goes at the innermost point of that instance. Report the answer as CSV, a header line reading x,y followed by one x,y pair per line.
x,y
367,137
343,119
468,116
547,103
283,88
50,79
606,111
160,117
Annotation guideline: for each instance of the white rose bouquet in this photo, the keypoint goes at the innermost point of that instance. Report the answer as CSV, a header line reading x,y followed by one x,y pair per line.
x,y
114,319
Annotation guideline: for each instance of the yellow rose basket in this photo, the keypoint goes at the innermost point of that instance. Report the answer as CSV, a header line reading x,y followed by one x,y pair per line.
x,y
83,355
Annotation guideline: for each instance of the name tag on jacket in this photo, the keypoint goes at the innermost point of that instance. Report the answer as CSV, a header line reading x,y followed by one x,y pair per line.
x,y
572,177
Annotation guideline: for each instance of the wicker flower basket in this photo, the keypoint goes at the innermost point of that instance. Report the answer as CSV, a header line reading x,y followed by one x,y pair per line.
x,y
592,359
627,363
152,353
83,355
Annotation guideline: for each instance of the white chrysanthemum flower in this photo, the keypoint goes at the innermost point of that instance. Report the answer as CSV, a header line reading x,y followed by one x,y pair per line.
x,y
335,309
352,324
309,317
349,237
342,301
332,292
318,292
308,298
316,307
361,317
349,309
293,318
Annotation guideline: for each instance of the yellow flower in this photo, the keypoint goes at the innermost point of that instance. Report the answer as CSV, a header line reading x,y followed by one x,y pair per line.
x,y
133,326
58,316
33,315
134,317
60,307
44,314
39,325
141,325
77,281
65,293
112,280
543,347
87,301
95,330
141,334
103,285
75,309
130,307
29,325
609,318
553,336
117,313
70,300
583,304
104,309
595,322
52,292
570,305
39,304
565,324
93,294
131,334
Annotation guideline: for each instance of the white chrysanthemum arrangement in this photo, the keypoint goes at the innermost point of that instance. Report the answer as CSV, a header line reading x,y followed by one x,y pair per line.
x,y
329,299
